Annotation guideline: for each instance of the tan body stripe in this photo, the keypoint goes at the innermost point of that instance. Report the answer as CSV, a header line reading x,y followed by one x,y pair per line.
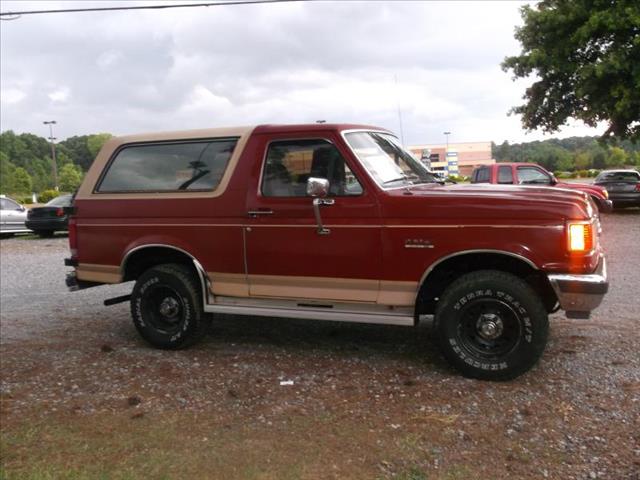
x,y
310,225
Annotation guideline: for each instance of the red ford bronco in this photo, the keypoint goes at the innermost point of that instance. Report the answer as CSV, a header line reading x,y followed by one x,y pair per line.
x,y
531,174
331,222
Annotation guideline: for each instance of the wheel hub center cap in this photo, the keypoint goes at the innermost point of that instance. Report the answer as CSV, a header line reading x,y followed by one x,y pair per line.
x,y
169,307
490,326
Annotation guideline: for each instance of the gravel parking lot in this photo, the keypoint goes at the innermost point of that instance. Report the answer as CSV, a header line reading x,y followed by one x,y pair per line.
x,y
82,396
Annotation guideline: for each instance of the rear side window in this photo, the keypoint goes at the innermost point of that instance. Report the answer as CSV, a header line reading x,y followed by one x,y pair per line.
x,y
168,167
482,175
505,175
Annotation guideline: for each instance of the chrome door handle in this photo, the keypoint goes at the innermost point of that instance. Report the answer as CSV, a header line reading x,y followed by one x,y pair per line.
x,y
255,213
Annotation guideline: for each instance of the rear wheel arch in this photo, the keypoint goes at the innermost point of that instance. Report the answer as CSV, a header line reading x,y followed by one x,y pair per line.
x,y
141,258
448,269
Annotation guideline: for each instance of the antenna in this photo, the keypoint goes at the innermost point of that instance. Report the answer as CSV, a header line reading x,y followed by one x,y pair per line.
x,y
399,111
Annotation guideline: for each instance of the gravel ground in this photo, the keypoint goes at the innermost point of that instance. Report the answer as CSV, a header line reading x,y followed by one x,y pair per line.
x,y
366,401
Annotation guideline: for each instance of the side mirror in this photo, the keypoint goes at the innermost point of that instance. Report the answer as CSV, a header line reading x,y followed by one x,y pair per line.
x,y
553,180
22,208
317,187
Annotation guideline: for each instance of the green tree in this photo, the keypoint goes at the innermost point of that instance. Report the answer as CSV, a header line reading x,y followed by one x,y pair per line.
x,y
617,157
584,54
70,178
7,173
77,150
582,161
21,181
95,143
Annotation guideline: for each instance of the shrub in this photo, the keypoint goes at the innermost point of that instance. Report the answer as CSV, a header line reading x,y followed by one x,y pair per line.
x,y
583,173
47,195
26,200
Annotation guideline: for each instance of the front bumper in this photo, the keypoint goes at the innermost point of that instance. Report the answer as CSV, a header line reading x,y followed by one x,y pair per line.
x,y
579,294
605,206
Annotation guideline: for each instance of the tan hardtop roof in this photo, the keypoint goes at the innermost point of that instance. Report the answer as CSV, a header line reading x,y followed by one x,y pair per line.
x,y
182,134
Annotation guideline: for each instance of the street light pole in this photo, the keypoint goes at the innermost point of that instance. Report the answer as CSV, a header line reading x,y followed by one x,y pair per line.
x,y
51,123
447,135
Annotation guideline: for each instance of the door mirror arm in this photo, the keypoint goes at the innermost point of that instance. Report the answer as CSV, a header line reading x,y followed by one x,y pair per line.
x,y
318,188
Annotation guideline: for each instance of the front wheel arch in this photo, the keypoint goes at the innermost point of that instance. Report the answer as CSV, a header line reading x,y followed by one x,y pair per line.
x,y
448,269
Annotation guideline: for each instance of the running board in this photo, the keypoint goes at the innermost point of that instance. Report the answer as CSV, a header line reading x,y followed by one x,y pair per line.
x,y
360,313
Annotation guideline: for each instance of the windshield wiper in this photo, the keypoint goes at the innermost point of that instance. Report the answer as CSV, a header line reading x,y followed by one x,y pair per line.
x,y
405,178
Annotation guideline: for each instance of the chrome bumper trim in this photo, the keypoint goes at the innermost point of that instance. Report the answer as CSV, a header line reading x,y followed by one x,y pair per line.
x,y
580,294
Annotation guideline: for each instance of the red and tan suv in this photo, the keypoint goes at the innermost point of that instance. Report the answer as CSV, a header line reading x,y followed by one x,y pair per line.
x,y
331,222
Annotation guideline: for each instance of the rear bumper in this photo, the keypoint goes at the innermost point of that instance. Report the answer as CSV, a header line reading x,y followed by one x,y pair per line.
x,y
580,294
46,224
73,284
629,199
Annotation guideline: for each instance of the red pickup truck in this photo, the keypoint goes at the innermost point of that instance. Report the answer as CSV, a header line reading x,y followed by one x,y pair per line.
x,y
331,222
532,174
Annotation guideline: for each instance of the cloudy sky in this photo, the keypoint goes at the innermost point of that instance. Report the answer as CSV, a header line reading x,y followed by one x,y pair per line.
x,y
438,63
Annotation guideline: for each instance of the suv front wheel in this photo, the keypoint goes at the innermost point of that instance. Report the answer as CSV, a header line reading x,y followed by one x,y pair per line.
x,y
166,306
491,325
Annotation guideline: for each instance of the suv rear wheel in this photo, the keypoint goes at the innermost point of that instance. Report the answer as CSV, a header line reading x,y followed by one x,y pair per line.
x,y
166,306
491,325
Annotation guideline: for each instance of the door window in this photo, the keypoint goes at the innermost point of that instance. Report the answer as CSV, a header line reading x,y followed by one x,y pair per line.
x,y
532,175
6,204
290,163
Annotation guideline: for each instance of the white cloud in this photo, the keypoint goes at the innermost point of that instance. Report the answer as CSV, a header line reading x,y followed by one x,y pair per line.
x,y
60,95
108,59
12,95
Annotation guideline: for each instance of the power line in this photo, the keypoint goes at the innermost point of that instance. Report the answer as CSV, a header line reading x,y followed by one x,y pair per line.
x,y
143,7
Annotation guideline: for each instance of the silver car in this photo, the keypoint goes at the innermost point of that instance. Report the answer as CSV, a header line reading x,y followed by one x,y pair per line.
x,y
12,217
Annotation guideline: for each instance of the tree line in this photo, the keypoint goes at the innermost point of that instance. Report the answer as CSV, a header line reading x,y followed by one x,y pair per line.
x,y
26,165
572,154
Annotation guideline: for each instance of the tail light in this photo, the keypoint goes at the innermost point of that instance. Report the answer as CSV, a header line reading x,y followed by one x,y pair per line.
x,y
580,237
73,237
60,212
637,187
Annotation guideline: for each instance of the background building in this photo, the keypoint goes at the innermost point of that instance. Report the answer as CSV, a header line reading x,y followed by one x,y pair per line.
x,y
460,159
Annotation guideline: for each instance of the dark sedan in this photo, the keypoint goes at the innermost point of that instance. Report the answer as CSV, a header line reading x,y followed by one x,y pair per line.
x,y
623,187
51,218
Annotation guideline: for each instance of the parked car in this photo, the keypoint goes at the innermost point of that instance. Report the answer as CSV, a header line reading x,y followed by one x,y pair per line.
x,y
623,186
331,222
12,217
533,174
50,218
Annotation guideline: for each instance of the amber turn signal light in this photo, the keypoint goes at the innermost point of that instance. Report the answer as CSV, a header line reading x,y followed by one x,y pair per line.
x,y
580,237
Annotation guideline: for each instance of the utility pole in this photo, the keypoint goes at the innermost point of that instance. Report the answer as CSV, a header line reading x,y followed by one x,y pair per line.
x,y
51,123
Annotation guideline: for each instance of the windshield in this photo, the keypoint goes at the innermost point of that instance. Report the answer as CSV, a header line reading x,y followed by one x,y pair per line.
x,y
389,164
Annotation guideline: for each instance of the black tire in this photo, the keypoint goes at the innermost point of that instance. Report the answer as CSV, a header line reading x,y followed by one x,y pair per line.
x,y
44,233
491,325
166,307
